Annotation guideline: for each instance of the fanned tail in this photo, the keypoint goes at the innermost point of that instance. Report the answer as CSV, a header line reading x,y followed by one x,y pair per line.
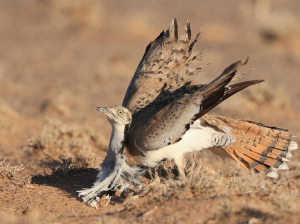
x,y
259,147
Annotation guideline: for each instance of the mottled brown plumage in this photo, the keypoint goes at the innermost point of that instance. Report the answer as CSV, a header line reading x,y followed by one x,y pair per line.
x,y
163,69
169,124
164,117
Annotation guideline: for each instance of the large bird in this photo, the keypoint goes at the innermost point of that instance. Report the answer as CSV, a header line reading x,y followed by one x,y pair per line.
x,y
164,117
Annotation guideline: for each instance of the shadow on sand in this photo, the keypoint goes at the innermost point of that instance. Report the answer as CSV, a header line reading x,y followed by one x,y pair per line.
x,y
68,178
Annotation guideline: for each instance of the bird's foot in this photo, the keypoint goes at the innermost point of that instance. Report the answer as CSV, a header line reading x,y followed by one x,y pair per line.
x,y
133,196
181,173
108,197
155,181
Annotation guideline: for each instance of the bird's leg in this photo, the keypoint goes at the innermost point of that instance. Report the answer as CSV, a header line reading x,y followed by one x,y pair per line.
x,y
155,181
132,197
108,197
179,162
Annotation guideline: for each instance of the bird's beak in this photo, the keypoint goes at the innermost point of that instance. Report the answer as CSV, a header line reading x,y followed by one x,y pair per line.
x,y
104,110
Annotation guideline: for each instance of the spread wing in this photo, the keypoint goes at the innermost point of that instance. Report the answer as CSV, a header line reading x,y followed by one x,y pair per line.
x,y
169,124
162,68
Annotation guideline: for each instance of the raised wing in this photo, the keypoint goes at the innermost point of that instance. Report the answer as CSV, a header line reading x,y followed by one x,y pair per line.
x,y
169,124
162,68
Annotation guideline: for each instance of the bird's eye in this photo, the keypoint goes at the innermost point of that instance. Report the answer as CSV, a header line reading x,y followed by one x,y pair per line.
x,y
120,111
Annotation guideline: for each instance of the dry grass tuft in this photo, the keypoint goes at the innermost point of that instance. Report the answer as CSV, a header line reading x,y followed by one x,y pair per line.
x,y
8,171
67,165
272,198
65,140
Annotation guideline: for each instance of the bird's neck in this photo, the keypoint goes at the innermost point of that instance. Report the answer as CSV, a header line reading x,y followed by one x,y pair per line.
x,y
117,139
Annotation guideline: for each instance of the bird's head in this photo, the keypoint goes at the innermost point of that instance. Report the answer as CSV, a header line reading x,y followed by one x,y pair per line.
x,y
117,115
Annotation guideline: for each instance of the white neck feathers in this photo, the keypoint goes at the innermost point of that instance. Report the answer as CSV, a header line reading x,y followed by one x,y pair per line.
x,y
117,139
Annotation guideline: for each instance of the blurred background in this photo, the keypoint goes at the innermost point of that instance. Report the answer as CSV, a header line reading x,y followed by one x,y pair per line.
x,y
59,60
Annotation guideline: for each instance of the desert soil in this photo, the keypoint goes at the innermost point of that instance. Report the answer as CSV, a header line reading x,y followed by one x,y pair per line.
x,y
59,60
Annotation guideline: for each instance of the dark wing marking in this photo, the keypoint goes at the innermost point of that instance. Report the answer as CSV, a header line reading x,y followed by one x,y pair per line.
x,y
162,68
169,124
213,100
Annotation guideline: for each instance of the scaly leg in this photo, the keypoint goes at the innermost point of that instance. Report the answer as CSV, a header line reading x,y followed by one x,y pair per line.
x,y
179,162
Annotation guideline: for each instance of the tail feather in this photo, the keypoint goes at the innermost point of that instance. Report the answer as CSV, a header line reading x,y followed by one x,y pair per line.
x,y
293,146
260,167
260,158
264,149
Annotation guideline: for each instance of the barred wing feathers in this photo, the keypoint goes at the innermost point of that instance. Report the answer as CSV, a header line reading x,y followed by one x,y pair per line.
x,y
169,124
162,68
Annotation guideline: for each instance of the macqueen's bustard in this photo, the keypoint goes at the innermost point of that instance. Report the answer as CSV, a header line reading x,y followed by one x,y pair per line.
x,y
164,117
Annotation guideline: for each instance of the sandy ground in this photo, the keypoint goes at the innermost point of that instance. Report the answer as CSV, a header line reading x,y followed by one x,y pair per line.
x,y
61,59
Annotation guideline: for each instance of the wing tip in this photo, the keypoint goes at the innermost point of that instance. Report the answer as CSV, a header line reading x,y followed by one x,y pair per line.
x,y
235,66
188,30
245,61
173,29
